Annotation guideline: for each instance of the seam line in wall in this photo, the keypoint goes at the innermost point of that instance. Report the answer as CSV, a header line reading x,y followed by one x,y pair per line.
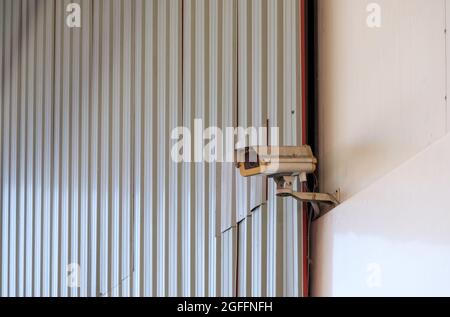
x,y
446,67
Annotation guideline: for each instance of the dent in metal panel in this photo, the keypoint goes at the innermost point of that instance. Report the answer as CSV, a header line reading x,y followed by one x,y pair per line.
x,y
225,263
259,252
228,263
245,264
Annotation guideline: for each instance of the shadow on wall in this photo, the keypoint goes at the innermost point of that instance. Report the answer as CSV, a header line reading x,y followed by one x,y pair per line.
x,y
392,238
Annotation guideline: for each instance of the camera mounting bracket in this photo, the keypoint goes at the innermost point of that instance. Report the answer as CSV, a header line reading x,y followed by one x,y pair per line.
x,y
285,188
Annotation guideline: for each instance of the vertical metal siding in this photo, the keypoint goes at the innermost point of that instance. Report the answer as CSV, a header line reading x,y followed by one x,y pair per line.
x,y
255,70
94,168
86,176
47,141
147,265
30,150
104,14
22,157
213,242
14,98
187,258
2,46
273,256
137,102
242,120
200,188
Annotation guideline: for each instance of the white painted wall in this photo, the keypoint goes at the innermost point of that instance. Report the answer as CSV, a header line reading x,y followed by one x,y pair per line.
x,y
381,91
393,238
381,102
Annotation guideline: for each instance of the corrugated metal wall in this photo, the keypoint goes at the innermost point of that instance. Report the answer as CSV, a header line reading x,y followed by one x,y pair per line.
x,y
86,175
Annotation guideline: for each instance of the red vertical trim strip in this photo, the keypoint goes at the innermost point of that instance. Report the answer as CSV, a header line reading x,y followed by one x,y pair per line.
x,y
303,89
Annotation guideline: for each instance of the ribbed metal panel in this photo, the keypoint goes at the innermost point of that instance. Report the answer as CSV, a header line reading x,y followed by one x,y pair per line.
x,y
188,178
270,254
86,176
213,240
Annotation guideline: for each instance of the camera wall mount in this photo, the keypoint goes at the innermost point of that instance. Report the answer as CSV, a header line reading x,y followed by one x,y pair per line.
x,y
284,164
285,188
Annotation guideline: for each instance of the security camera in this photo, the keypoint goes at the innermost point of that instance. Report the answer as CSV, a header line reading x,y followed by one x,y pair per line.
x,y
273,161
283,164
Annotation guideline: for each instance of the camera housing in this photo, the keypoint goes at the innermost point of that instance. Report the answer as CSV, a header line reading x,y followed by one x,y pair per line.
x,y
274,161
